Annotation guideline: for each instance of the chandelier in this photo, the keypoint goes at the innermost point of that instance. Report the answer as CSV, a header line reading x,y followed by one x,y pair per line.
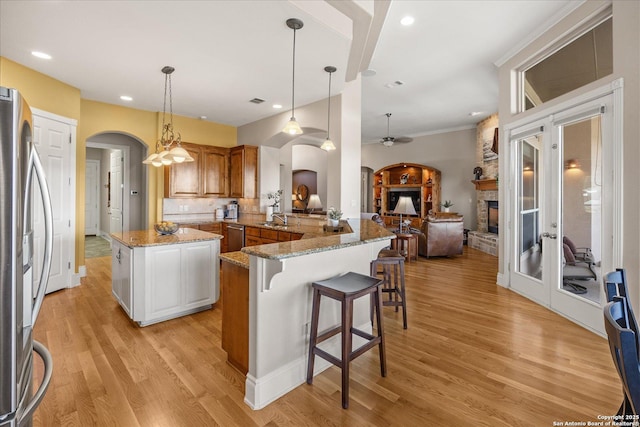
x,y
165,155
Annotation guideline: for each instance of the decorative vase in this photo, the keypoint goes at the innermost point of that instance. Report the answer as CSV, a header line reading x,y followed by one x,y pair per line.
x,y
269,215
334,222
446,209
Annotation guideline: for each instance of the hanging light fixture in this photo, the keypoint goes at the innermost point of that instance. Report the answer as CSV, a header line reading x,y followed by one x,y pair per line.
x,y
292,127
328,145
165,155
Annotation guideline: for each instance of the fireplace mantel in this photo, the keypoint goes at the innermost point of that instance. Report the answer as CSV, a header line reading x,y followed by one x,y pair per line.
x,y
486,184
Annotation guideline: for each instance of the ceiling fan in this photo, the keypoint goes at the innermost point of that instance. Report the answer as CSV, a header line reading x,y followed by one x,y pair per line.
x,y
389,140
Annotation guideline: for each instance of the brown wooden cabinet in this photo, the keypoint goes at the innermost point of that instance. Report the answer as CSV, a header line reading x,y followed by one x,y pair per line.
x,y
184,179
243,161
235,315
215,176
206,176
405,179
212,227
261,236
224,247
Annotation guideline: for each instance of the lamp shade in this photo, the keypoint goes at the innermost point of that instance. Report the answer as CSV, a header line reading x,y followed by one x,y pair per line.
x,y
328,145
405,206
292,127
180,155
314,202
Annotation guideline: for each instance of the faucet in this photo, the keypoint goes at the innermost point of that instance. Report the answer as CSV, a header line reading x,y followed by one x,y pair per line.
x,y
282,218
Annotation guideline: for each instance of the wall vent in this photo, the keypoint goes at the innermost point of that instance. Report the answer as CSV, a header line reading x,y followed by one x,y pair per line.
x,y
257,101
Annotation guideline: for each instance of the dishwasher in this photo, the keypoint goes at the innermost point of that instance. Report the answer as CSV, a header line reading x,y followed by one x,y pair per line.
x,y
235,234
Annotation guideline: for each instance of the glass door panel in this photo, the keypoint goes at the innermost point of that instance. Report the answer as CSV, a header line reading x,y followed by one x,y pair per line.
x,y
581,212
527,254
530,259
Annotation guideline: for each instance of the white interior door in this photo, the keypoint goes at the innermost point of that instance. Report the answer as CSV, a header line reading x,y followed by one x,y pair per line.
x,y
116,192
92,198
53,140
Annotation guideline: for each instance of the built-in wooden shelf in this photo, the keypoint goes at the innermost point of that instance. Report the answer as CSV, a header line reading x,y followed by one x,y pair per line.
x,y
486,184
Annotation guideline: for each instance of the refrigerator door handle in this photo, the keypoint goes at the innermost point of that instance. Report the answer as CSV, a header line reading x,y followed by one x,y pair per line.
x,y
48,231
44,385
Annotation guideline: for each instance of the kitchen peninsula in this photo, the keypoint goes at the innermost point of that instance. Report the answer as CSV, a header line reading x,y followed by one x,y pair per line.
x,y
160,277
279,302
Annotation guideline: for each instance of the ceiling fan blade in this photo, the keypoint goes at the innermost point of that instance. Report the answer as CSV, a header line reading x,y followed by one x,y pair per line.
x,y
403,139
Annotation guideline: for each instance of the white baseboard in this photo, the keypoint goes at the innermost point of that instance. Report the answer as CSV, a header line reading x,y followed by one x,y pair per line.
x,y
75,279
259,392
500,280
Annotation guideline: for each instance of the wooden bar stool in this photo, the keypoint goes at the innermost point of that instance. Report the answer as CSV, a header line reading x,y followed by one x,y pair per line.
x,y
392,263
346,289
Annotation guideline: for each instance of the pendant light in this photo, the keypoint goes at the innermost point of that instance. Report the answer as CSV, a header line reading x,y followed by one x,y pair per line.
x,y
165,155
292,127
328,145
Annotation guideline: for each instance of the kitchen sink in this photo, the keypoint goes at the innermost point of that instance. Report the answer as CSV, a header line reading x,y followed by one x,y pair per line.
x,y
273,225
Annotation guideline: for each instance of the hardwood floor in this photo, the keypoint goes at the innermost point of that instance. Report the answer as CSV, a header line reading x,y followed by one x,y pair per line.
x,y
474,354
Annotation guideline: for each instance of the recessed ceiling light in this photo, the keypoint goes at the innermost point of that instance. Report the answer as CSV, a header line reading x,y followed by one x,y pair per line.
x,y
203,117
475,113
126,98
407,20
277,106
41,55
369,73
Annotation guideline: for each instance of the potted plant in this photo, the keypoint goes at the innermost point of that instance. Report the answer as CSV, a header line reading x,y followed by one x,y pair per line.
x,y
446,205
334,216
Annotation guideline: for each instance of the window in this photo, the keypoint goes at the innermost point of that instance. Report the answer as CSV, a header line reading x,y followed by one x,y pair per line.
x,y
585,59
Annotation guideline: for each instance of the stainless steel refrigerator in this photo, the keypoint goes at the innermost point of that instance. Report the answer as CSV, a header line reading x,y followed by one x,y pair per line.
x,y
20,297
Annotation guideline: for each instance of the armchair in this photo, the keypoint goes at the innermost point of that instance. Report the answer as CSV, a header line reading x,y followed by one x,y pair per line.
x,y
441,235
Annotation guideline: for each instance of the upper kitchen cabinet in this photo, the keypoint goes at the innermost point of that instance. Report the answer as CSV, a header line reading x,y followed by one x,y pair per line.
x,y
215,164
206,176
185,179
244,171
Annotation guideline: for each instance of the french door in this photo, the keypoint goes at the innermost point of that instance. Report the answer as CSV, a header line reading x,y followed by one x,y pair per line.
x,y
561,196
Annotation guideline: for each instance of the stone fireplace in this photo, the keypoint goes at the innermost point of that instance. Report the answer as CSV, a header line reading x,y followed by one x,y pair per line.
x,y
485,238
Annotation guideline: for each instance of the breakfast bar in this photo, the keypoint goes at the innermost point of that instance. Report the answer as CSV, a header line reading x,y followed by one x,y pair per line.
x,y
280,303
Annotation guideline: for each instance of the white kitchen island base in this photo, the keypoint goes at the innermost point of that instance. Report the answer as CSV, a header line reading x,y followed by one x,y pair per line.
x,y
157,278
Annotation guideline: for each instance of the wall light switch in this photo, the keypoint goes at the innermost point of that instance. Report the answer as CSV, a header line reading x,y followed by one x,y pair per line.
x,y
180,208
186,208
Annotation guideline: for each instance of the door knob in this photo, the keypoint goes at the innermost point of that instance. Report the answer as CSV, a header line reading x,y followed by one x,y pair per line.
x,y
550,236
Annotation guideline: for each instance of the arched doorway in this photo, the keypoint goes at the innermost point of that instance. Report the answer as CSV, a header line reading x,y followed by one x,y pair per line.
x,y
121,184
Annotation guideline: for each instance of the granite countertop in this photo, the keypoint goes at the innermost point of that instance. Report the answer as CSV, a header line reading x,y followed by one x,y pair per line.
x,y
308,231
141,238
362,231
238,258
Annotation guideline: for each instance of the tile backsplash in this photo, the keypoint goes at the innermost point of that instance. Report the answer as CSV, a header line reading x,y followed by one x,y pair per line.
x,y
181,210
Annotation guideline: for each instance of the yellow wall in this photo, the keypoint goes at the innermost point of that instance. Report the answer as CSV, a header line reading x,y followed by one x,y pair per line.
x,y
48,94
41,91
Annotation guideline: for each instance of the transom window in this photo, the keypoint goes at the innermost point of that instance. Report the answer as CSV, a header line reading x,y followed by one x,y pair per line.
x,y
585,59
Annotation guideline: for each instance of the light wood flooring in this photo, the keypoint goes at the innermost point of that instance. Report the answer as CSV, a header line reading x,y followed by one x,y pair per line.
x,y
474,354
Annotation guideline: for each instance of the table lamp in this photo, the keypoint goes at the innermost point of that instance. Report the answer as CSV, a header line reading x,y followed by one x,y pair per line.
x,y
404,207
314,202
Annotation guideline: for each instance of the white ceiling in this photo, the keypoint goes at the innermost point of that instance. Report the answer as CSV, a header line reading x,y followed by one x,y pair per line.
x,y
228,52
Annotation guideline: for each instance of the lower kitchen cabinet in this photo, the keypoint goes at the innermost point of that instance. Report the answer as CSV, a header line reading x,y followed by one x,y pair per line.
x,y
121,274
263,236
161,282
235,315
